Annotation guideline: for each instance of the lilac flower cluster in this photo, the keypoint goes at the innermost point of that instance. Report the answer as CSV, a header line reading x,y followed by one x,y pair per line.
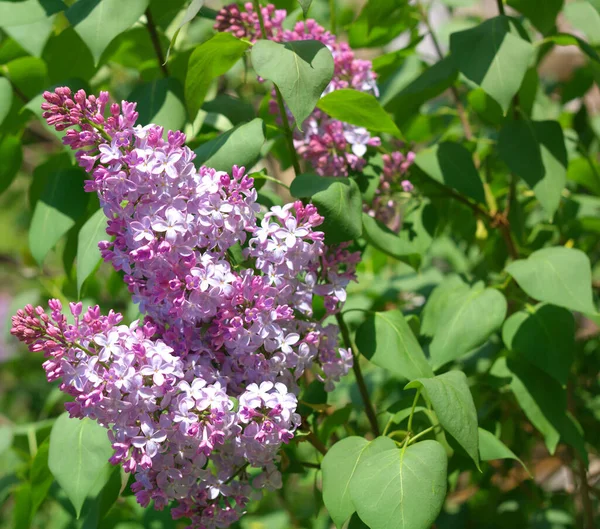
x,y
332,147
199,398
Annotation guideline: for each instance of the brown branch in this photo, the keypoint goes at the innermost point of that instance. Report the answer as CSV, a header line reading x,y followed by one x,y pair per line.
x,y
156,43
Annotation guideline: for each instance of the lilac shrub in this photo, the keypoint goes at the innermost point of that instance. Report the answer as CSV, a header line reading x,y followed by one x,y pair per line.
x,y
200,395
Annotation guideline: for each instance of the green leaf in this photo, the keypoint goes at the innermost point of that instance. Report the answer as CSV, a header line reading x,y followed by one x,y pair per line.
x,y
541,14
411,242
40,477
78,457
453,404
238,146
98,22
22,506
234,109
559,275
339,466
358,108
28,74
545,336
29,23
190,13
88,253
208,61
544,402
6,437
338,200
11,155
300,69
432,82
535,151
305,5
160,102
466,323
566,39
379,22
442,296
493,58
67,57
6,97
386,340
491,448
401,489
61,204
584,17
451,164
585,172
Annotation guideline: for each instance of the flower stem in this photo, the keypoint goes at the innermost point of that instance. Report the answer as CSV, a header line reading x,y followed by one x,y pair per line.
x,y
289,135
358,375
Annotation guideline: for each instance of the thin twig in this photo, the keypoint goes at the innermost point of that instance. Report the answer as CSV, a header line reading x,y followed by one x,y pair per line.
x,y
316,442
156,43
360,381
501,7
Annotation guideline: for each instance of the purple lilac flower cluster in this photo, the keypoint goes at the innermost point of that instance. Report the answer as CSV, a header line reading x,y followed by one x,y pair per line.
x,y
201,395
332,147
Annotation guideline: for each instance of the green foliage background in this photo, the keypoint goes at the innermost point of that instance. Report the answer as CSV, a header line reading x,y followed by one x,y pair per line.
x,y
477,325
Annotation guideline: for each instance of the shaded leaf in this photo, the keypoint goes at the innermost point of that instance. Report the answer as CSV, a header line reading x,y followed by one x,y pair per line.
x,y
535,151
11,155
160,102
40,476
544,336
451,164
541,14
386,340
493,58
88,253
6,97
190,13
491,448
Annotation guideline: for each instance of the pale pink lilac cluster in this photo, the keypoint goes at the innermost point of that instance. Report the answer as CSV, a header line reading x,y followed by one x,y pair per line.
x,y
332,147
200,396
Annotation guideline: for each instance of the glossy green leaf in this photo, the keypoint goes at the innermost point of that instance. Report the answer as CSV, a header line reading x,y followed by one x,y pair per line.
x,y
6,96
60,205
451,164
40,476
535,151
561,276
491,448
453,404
386,340
432,82
11,155
337,199
401,489
239,146
493,58
300,69
541,14
30,22
160,102
582,15
88,253
358,108
78,457
466,323
544,336
210,60
543,401
339,467
98,22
